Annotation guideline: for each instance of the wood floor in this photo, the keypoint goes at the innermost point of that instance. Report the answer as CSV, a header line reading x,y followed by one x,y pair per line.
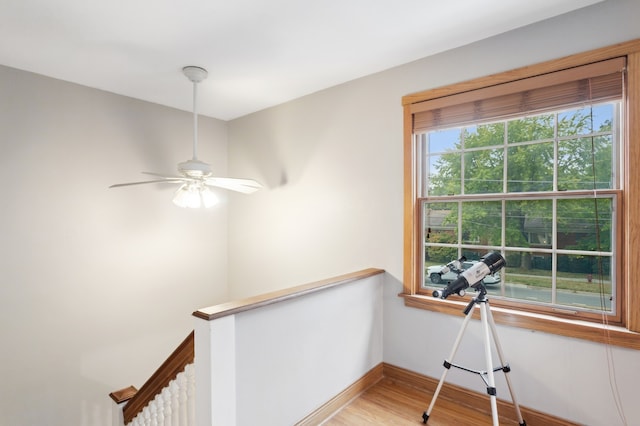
x,y
393,402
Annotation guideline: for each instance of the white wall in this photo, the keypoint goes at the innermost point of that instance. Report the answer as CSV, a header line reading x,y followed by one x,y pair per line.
x,y
97,285
332,162
333,203
290,357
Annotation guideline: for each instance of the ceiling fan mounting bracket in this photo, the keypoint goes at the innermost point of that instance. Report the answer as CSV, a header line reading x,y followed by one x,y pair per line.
x,y
195,74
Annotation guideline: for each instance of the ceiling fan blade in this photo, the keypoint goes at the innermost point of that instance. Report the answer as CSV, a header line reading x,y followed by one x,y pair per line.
x,y
246,186
162,175
165,180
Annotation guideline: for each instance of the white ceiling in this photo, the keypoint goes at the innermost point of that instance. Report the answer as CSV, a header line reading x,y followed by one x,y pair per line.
x,y
258,53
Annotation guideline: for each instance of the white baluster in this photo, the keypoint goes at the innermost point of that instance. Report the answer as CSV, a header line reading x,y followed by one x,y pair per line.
x,y
137,420
175,403
159,403
191,394
152,408
165,396
182,387
146,416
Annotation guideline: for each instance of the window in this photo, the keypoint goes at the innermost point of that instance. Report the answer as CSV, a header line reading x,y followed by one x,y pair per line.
x,y
540,189
534,164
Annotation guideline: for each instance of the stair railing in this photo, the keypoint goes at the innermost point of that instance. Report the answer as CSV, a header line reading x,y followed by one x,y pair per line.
x,y
167,397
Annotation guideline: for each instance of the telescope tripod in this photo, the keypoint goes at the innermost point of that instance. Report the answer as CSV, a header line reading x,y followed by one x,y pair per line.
x,y
487,376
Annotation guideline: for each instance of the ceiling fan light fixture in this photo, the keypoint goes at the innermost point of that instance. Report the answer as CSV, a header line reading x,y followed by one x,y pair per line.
x,y
207,198
194,196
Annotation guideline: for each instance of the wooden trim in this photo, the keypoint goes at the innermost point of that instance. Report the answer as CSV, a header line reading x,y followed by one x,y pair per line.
x,y
343,398
601,54
607,334
610,66
234,307
632,189
123,395
177,361
595,82
409,203
475,400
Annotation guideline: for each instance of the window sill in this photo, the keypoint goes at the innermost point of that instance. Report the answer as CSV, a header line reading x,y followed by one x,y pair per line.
x,y
599,333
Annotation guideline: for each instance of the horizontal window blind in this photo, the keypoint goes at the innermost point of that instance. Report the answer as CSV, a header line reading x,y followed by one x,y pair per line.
x,y
599,81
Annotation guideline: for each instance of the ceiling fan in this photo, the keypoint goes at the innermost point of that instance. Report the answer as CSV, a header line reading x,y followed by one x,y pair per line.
x,y
195,176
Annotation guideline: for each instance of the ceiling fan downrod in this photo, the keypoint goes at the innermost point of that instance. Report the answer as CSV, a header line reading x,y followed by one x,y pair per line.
x,y
195,75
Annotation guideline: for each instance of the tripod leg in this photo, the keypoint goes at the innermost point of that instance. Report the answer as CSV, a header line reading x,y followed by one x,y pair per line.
x,y
447,364
491,388
505,368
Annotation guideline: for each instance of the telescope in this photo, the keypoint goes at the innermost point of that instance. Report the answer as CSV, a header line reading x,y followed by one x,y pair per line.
x,y
489,263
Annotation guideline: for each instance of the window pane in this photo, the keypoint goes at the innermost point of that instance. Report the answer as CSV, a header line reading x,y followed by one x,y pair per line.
x,y
584,281
483,171
530,129
441,223
602,116
444,174
482,223
585,224
483,135
527,277
575,122
529,223
444,140
582,121
530,168
441,227
585,163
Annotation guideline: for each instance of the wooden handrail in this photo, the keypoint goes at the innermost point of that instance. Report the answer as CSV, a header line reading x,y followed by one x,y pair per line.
x,y
181,357
249,303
